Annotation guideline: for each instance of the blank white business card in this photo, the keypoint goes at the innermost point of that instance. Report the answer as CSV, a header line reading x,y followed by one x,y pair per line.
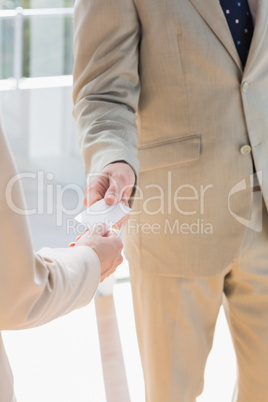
x,y
100,212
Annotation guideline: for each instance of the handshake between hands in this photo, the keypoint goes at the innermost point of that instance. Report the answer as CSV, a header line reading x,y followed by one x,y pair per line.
x,y
114,184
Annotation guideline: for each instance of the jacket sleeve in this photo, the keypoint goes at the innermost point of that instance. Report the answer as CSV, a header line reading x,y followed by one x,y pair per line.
x,y
106,81
36,288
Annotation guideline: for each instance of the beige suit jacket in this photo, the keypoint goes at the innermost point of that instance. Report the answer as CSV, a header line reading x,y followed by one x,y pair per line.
x,y
174,65
35,288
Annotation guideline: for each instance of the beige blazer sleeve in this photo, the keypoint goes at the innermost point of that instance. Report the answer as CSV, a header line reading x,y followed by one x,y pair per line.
x,y
106,81
36,288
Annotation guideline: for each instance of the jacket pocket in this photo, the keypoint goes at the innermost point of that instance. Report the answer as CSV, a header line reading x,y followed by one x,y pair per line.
x,y
169,153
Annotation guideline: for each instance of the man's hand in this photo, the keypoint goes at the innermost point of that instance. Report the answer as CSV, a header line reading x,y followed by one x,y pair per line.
x,y
114,183
106,244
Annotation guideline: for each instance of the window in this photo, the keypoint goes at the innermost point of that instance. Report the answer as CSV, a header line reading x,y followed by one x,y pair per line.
x,y
35,38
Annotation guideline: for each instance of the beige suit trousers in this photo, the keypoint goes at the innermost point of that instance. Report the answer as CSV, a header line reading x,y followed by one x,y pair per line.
x,y
175,319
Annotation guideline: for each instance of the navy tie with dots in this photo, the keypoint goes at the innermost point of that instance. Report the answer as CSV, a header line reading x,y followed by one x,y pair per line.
x,y
239,19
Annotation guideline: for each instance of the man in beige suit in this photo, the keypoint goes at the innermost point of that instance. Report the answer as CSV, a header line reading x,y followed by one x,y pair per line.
x,y
37,288
199,231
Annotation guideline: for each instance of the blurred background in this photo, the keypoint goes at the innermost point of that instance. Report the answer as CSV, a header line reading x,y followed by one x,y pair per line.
x,y
91,354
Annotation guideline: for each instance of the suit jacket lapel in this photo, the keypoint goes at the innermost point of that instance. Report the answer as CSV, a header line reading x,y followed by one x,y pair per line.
x,y
259,32
212,13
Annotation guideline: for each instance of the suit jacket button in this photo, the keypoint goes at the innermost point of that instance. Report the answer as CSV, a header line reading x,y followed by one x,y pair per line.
x,y
245,150
245,86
